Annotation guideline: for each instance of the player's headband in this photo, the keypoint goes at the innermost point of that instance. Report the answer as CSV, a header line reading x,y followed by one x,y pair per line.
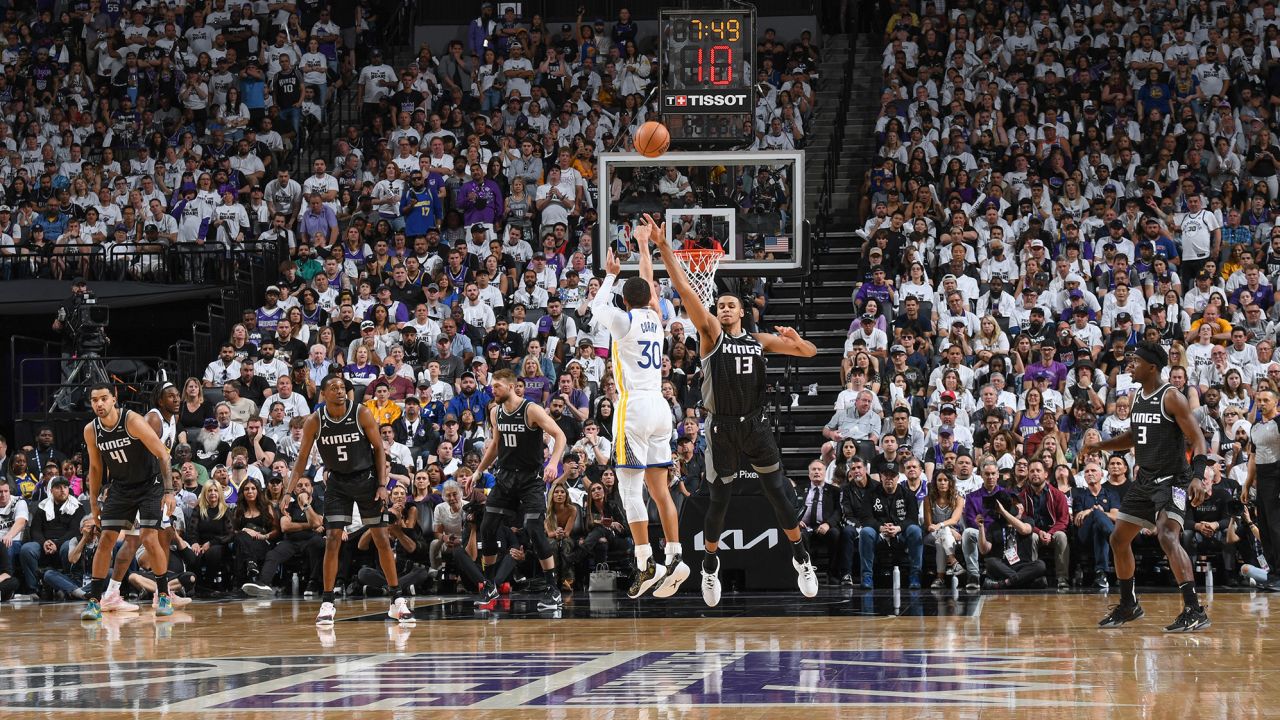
x,y
1150,356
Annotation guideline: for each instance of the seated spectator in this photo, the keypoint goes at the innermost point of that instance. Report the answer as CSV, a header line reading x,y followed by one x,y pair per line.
x,y
890,520
1006,546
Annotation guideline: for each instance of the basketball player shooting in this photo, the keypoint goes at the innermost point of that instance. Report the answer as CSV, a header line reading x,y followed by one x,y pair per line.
x,y
352,453
1161,424
642,420
121,443
733,393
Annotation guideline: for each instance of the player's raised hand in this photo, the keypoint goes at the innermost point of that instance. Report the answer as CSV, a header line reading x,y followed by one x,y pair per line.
x,y
611,264
653,231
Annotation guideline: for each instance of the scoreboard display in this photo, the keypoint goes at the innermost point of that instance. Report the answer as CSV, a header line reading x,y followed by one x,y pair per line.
x,y
708,61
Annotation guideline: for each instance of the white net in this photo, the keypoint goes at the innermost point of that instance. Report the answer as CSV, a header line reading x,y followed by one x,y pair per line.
x,y
700,264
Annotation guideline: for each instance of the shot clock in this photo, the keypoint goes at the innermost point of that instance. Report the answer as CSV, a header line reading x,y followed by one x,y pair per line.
x,y
707,60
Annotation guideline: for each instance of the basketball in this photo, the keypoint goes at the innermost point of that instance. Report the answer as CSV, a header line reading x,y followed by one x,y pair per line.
x,y
653,139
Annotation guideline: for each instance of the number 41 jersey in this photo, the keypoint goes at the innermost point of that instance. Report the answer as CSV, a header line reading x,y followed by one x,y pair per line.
x,y
734,379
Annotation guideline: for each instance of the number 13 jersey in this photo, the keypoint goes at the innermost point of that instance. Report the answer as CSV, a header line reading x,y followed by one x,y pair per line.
x,y
734,376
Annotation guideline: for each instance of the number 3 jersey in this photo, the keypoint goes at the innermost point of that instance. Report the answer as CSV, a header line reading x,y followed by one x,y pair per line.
x,y
1160,447
642,421
734,376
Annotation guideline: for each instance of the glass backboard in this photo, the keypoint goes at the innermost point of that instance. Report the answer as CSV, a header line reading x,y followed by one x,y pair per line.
x,y
745,203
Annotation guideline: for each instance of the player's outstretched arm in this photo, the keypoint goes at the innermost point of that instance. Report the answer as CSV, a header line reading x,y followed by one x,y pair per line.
x,y
786,342
643,234
703,319
1123,441
540,418
491,447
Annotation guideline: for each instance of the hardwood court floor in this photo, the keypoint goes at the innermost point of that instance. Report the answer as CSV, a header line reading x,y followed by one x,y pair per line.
x,y
840,655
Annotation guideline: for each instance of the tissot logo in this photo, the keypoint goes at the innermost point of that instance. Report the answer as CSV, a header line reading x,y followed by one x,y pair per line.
x,y
733,540
738,100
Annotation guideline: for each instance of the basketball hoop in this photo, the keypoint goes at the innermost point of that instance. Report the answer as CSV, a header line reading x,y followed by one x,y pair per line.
x,y
701,264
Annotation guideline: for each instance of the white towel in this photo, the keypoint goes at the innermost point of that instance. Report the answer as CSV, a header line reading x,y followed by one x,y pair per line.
x,y
68,508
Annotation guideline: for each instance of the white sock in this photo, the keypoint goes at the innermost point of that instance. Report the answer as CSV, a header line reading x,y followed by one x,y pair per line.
x,y
113,587
673,549
643,553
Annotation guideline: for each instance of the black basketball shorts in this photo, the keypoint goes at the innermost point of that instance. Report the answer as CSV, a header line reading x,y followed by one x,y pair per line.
x,y
345,493
518,494
1151,495
731,440
126,502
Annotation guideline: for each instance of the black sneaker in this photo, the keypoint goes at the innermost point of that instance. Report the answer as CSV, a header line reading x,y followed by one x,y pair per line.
x,y
647,577
488,595
551,600
1191,620
1121,614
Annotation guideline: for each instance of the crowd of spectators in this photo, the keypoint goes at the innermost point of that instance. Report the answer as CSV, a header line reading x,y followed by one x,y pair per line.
x,y
448,237
1052,185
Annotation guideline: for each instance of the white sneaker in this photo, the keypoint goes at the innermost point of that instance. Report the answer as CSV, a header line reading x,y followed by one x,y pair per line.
x,y
326,614
711,587
677,573
400,611
112,602
179,600
257,590
806,578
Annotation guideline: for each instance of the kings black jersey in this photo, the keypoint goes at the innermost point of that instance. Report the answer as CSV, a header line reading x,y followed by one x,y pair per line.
x,y
344,449
735,376
1160,447
124,458
520,441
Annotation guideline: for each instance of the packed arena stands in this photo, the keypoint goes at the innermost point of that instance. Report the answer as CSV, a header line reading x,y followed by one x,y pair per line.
x,y
441,235
1054,185
1051,187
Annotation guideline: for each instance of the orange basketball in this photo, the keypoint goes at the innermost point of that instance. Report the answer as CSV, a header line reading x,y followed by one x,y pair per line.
x,y
653,139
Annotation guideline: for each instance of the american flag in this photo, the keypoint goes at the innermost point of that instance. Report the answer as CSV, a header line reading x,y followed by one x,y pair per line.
x,y
777,243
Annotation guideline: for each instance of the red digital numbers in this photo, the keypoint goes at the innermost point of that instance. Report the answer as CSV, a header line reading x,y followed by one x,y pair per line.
x,y
715,65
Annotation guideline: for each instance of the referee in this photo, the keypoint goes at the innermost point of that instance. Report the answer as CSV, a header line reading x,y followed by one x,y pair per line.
x,y
1264,474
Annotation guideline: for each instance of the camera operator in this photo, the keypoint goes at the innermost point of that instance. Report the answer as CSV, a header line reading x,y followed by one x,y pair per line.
x,y
1264,473
63,323
1005,541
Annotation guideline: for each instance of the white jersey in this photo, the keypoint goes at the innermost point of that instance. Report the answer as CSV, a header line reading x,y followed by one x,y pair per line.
x,y
168,429
637,343
642,418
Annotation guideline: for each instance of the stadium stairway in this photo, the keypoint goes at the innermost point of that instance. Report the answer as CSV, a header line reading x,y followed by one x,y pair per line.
x,y
821,303
824,303
857,142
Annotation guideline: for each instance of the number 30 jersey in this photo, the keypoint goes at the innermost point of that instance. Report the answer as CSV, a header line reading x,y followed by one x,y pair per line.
x,y
734,376
637,343
637,354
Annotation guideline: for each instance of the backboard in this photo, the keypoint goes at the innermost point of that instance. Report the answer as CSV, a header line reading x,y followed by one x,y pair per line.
x,y
744,201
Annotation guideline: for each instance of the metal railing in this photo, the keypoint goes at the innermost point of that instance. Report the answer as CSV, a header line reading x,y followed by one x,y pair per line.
x,y
45,383
188,264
